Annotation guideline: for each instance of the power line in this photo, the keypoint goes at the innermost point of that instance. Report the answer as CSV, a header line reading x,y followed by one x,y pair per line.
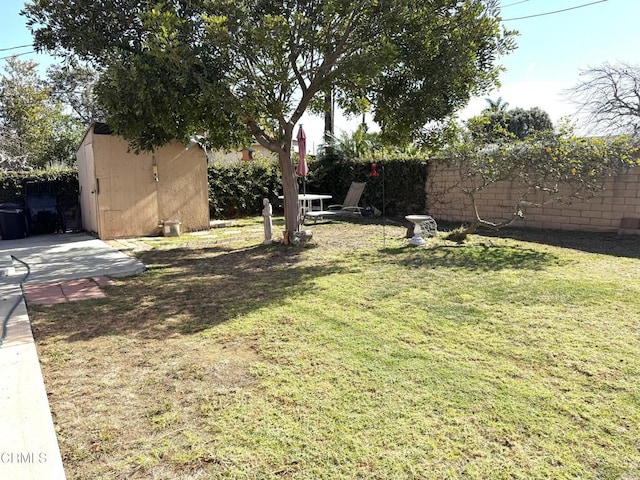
x,y
512,4
17,55
15,48
555,11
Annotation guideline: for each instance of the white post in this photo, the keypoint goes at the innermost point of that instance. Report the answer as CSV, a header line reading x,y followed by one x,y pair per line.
x,y
267,212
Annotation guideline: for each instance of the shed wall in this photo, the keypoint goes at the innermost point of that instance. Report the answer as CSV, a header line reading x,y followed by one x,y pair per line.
x,y
183,188
127,196
86,180
128,200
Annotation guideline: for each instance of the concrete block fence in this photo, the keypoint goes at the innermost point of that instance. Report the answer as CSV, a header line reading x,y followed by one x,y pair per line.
x,y
615,209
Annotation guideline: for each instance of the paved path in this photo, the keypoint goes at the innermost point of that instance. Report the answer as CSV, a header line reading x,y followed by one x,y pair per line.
x,y
65,291
28,444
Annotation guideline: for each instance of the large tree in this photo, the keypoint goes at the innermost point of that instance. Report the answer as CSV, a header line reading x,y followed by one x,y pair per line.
x,y
239,69
497,123
72,84
35,130
608,97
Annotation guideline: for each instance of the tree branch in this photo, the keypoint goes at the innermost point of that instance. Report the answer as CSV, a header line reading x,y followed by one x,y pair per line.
x,y
261,136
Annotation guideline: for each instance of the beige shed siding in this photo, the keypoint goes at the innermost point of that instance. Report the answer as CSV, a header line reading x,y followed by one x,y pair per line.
x,y
184,195
86,178
128,200
127,194
603,213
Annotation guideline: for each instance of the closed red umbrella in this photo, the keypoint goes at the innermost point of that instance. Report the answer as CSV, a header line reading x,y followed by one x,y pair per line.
x,y
302,169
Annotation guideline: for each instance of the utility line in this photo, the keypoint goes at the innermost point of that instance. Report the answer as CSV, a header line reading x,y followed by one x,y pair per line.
x,y
515,3
555,11
17,55
15,48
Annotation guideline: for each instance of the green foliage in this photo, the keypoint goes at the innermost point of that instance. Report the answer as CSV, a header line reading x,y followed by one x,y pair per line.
x,y
72,84
404,181
237,189
356,145
34,128
523,123
11,183
497,123
65,180
333,174
404,186
374,146
245,68
179,99
412,61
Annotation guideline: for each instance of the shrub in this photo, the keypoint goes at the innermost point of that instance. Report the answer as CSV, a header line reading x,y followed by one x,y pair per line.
x,y
404,181
237,189
65,180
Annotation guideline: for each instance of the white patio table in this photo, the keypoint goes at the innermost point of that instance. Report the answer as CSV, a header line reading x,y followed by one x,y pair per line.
x,y
305,202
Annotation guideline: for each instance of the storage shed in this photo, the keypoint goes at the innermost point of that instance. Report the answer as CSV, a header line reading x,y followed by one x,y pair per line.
x,y
123,194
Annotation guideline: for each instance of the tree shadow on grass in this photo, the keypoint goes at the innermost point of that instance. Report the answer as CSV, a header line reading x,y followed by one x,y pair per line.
x,y
591,242
605,243
471,257
186,291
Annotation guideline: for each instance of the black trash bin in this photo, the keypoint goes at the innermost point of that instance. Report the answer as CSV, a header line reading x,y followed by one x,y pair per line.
x,y
12,221
41,208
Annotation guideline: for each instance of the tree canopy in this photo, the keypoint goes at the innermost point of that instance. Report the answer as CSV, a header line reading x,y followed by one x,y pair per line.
x,y
498,123
35,130
72,84
241,69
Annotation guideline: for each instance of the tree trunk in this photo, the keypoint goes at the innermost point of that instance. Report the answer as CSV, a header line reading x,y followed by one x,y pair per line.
x,y
328,117
290,192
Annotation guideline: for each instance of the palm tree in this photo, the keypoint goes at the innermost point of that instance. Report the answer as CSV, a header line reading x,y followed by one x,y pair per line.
x,y
496,106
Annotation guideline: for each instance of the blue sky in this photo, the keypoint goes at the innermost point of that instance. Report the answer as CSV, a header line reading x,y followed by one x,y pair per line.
x,y
14,32
552,49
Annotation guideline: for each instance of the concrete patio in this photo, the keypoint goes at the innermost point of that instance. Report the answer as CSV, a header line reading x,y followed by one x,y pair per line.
x,y
50,268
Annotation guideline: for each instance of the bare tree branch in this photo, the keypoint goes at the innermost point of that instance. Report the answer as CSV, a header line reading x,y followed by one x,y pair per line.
x,y
608,97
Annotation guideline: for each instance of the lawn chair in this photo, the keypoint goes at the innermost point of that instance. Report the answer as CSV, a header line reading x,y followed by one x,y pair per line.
x,y
348,207
351,201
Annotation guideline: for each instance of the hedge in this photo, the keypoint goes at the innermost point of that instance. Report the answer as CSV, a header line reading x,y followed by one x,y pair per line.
x,y
403,179
237,189
65,181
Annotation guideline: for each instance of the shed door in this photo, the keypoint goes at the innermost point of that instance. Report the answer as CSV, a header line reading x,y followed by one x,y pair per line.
x,y
88,190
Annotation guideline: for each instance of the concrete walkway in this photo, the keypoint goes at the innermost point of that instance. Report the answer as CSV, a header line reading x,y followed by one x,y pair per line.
x,y
28,444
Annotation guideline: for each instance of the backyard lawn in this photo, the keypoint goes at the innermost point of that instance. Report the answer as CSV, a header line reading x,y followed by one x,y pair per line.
x,y
354,357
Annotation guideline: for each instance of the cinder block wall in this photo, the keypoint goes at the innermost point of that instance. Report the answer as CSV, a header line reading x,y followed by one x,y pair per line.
x,y
603,213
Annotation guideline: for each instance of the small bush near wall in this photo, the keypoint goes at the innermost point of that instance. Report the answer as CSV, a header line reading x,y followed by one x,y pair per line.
x,y
237,189
404,182
65,181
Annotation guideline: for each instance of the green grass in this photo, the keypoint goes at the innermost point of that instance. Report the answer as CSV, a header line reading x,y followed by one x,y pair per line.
x,y
354,357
